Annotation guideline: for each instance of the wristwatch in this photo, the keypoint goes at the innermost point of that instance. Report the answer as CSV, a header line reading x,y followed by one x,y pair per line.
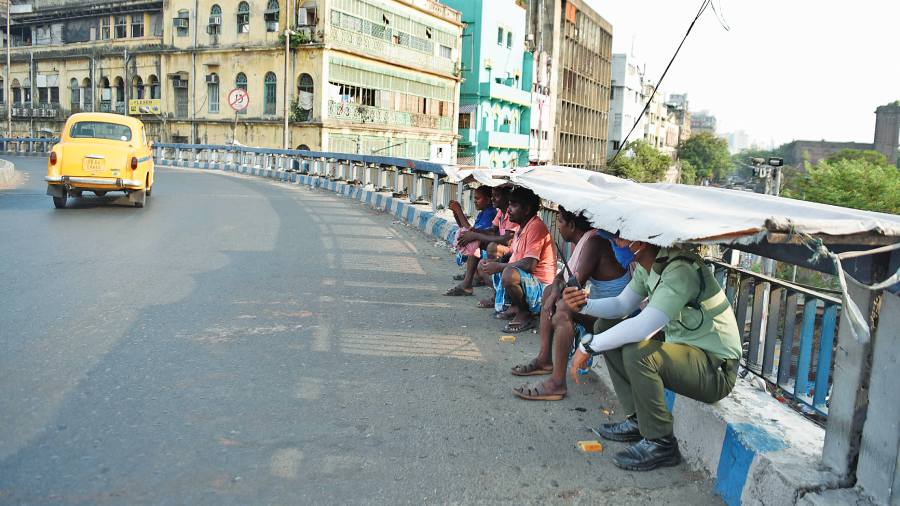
x,y
586,344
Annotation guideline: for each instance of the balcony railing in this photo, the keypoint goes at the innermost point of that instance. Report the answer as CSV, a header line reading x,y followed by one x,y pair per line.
x,y
506,93
505,140
357,113
788,333
358,42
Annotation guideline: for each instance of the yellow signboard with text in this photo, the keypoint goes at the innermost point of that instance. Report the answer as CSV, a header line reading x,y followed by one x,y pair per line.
x,y
144,106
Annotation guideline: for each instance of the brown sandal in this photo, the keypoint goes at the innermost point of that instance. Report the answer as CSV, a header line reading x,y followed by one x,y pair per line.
x,y
530,369
536,393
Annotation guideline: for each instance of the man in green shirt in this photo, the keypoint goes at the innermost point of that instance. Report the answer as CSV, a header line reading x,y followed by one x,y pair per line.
x,y
699,358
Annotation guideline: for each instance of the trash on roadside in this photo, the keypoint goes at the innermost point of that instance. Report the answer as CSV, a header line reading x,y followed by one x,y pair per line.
x,y
590,446
507,339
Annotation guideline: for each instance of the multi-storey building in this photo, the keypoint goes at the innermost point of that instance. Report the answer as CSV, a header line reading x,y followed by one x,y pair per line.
x,y
703,122
626,102
495,99
74,55
361,76
579,43
679,107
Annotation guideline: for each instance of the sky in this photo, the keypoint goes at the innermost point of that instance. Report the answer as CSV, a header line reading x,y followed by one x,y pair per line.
x,y
786,69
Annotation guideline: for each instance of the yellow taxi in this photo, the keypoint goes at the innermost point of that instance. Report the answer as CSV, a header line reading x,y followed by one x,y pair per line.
x,y
100,152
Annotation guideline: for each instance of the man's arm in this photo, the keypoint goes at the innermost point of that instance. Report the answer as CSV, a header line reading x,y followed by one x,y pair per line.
x,y
489,235
526,264
610,307
461,219
588,260
632,330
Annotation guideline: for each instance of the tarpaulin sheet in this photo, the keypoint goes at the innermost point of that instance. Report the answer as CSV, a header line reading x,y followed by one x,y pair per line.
x,y
666,214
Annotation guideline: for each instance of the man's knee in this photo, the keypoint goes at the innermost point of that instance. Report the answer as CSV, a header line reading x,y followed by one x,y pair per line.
x,y
562,318
635,354
511,277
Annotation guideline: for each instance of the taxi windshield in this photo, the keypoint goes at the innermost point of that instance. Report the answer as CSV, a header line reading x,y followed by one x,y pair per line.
x,y
100,130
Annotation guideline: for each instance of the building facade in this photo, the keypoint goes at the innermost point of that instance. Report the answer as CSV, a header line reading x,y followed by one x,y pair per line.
x,y
362,76
495,101
579,44
703,122
626,101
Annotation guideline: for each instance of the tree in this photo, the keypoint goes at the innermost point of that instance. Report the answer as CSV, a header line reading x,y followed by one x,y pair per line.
x,y
640,162
707,154
868,155
853,181
688,172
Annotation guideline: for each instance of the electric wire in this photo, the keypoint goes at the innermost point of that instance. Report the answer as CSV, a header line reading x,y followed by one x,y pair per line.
x,y
703,7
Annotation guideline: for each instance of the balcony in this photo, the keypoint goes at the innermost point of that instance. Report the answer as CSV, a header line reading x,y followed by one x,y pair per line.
x,y
356,113
506,93
503,140
356,42
468,136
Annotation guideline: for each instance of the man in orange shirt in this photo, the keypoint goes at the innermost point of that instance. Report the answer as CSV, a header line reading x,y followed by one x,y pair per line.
x,y
531,266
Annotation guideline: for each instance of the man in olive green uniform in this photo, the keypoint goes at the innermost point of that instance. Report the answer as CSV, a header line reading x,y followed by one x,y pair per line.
x,y
699,358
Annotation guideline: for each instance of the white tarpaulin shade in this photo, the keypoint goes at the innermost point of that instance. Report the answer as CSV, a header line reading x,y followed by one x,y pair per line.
x,y
666,214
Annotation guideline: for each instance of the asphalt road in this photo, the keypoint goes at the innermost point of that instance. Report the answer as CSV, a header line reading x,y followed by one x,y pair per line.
x,y
240,341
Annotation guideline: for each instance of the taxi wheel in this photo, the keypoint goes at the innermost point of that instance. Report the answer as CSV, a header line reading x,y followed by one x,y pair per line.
x,y
75,193
149,191
60,202
99,193
141,198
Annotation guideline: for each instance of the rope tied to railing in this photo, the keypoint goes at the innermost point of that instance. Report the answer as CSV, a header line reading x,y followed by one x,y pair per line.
x,y
859,325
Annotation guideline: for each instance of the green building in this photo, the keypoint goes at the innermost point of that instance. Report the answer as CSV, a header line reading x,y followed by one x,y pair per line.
x,y
495,96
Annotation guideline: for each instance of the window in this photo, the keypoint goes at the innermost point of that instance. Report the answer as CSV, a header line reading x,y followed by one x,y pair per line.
x,y
270,83
212,92
243,17
465,120
88,97
241,82
121,27
215,20
500,36
305,94
54,95
100,130
446,52
137,25
137,87
271,16
508,39
1,91
104,28
154,86
182,23
42,95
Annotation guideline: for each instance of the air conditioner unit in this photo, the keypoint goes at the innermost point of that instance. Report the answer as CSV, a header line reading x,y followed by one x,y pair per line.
x,y
212,79
180,22
215,20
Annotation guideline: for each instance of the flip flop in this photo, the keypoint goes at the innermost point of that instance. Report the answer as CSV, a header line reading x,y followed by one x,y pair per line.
x,y
458,291
483,304
516,327
459,277
530,369
536,393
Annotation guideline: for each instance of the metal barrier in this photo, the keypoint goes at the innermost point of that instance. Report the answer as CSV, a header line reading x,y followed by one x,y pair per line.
x,y
25,146
788,333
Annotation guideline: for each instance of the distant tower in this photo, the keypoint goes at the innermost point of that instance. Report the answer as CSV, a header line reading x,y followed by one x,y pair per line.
x,y
887,130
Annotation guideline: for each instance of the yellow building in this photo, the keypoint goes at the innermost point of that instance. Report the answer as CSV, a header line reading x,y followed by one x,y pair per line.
x,y
362,76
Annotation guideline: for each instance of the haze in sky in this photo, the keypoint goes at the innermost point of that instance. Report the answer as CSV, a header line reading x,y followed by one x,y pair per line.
x,y
786,69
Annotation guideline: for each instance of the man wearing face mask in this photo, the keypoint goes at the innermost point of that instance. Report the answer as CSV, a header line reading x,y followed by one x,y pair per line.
x,y
699,358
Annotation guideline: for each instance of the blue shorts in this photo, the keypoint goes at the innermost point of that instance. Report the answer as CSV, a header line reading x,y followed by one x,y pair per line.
x,y
531,287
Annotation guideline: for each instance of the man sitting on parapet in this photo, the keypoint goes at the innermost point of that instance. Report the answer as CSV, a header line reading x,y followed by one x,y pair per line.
x,y
472,250
596,268
698,359
531,266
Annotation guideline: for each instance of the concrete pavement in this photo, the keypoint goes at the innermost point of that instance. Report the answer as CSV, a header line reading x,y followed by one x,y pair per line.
x,y
241,341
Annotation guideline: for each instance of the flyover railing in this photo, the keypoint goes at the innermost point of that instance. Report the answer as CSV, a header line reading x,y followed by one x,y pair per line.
x,y
27,145
788,334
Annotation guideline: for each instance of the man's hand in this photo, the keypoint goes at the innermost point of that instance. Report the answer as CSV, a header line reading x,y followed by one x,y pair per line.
x,y
491,267
467,237
575,298
579,361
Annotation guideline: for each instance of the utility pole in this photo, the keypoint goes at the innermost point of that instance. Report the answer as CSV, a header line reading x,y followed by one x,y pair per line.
x,y
8,58
286,144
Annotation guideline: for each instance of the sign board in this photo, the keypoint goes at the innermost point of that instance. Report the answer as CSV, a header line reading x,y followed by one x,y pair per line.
x,y
238,99
138,106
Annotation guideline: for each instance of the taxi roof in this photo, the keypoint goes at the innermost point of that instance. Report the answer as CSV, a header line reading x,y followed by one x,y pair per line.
x,y
106,117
